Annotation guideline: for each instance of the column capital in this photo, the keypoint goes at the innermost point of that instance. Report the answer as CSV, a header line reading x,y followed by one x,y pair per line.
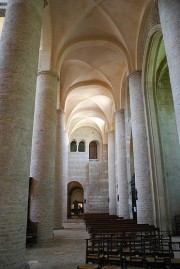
x,y
48,72
134,73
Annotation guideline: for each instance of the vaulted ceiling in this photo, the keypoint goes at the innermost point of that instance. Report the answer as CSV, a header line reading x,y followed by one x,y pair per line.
x,y
92,45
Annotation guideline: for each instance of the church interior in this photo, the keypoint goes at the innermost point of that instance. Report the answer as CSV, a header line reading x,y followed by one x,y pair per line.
x,y
89,122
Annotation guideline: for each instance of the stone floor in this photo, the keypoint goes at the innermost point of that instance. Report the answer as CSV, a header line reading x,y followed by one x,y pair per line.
x,y
65,251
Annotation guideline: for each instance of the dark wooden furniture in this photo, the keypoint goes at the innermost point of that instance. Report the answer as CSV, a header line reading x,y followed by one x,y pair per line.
x,y
125,243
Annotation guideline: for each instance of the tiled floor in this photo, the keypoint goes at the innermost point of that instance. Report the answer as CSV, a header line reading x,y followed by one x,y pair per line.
x,y
65,251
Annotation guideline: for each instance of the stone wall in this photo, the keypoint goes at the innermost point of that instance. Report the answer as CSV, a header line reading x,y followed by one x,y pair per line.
x,y
91,174
170,149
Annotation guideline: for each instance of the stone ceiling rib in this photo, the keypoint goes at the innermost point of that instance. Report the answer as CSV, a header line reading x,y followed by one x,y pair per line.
x,y
94,47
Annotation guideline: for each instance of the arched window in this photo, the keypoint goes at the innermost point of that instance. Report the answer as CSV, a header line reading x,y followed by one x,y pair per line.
x,y
81,147
92,150
73,146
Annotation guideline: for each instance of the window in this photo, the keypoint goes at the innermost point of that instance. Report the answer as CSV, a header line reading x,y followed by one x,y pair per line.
x,y
81,147
73,146
92,150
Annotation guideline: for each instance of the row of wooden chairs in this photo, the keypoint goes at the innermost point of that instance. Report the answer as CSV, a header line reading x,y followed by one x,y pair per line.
x,y
124,249
117,241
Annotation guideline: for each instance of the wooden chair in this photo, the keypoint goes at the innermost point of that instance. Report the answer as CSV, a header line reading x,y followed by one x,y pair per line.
x,y
95,251
161,254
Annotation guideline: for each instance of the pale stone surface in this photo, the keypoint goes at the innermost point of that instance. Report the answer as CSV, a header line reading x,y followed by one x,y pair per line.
x,y
19,48
123,210
111,173
59,171
141,161
170,150
129,151
43,154
91,174
65,175
169,12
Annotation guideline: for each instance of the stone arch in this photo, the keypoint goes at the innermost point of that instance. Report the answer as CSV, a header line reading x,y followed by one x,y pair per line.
x,y
163,143
75,199
94,150
82,146
168,137
150,18
113,44
73,146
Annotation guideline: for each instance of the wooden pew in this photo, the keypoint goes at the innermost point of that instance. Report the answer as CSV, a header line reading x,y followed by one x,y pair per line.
x,y
125,242
121,229
90,219
140,250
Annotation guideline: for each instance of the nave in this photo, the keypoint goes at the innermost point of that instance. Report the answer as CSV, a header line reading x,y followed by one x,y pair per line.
x,y
90,111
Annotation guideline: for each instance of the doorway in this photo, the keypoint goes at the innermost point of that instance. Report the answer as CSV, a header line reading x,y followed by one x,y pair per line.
x,y
75,206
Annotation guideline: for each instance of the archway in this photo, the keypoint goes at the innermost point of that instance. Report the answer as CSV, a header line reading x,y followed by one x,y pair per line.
x,y
162,133
75,200
169,142
93,150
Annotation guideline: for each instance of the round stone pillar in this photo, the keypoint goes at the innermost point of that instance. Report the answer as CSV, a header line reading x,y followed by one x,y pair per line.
x,y
65,175
43,154
111,173
169,12
59,169
19,49
123,209
141,160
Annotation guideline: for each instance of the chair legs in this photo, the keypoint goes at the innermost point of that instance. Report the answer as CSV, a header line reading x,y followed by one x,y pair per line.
x,y
123,263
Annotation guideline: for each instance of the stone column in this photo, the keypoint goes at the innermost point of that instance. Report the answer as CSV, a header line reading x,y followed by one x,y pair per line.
x,y
19,49
60,169
58,183
141,160
43,154
123,210
169,11
65,175
111,173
